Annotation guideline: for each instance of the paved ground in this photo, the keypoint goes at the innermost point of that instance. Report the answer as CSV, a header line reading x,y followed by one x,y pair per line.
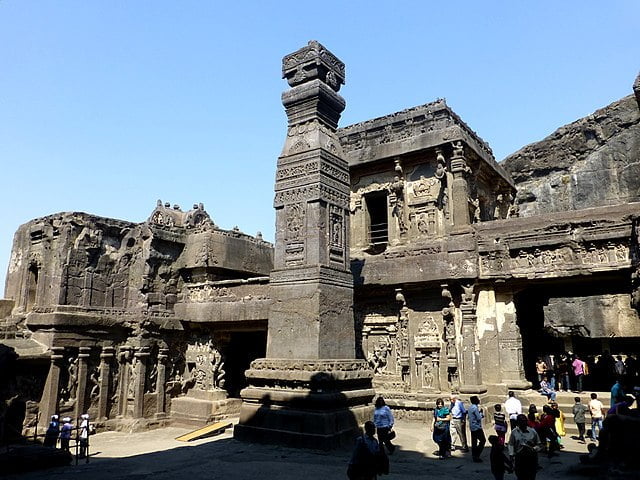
x,y
158,456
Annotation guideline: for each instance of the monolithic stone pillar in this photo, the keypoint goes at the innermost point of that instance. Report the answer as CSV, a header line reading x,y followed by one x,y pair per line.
x,y
142,355
125,355
163,355
310,391
459,187
471,376
51,395
83,372
106,357
510,341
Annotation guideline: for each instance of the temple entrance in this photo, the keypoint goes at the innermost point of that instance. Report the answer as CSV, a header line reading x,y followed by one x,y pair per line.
x,y
584,317
243,348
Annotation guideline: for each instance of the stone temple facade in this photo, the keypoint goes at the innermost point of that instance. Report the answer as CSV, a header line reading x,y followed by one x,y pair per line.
x,y
403,265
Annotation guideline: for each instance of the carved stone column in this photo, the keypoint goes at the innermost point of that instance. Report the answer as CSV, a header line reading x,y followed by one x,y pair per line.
x,y
163,355
142,355
459,187
106,357
51,395
310,391
83,371
125,356
471,376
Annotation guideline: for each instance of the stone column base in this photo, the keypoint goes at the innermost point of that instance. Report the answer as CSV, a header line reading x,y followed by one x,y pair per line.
x,y
305,403
200,407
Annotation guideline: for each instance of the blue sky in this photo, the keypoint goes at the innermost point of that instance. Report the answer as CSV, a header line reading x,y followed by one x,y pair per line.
x,y
106,107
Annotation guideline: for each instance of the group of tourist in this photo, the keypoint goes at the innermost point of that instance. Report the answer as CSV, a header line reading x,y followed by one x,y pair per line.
x,y
571,372
531,433
63,432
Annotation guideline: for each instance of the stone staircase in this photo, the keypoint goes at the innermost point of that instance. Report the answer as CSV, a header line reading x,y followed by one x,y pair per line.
x,y
565,403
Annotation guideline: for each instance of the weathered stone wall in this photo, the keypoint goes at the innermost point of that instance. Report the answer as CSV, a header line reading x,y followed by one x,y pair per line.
x,y
591,162
593,316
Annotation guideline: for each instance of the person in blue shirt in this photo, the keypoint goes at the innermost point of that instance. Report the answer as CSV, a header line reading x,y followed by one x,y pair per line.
x,y
383,420
475,425
458,423
617,393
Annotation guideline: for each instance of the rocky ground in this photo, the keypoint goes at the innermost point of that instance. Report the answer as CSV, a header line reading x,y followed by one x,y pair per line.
x,y
157,455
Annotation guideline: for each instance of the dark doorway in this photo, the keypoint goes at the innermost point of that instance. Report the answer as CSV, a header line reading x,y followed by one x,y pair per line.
x,y
243,348
32,286
378,218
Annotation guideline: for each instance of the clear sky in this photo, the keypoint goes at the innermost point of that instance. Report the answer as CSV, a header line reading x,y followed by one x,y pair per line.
x,y
107,106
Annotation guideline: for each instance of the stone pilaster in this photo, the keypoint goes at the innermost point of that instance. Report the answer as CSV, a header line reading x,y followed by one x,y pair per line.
x,y
106,357
125,356
435,361
459,187
163,355
310,391
510,342
83,372
142,356
471,375
51,395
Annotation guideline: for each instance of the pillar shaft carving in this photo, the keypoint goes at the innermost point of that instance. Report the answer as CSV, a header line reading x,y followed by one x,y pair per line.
x,y
51,395
142,357
125,356
163,356
106,357
83,374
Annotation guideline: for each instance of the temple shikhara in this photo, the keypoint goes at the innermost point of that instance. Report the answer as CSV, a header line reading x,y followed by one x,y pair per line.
x,y
407,262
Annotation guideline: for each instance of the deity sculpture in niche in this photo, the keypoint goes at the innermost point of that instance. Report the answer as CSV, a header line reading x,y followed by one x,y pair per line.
x,y
379,354
205,365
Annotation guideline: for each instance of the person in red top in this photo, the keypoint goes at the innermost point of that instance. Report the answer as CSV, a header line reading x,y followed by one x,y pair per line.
x,y
546,430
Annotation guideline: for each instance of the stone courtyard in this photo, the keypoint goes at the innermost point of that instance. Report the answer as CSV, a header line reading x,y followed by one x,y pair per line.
x,y
156,454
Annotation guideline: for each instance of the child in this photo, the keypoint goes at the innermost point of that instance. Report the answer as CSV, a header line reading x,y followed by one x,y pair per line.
x,y
500,463
579,416
500,422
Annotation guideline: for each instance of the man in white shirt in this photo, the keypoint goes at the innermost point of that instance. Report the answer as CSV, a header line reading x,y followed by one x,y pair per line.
x,y
513,407
595,408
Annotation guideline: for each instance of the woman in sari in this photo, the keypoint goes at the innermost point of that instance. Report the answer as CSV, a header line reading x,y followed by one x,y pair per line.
x,y
440,429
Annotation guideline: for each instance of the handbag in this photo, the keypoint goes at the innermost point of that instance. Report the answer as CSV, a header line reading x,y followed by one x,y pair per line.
x,y
391,435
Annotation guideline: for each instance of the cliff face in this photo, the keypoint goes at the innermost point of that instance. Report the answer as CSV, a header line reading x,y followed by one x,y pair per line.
x,y
594,161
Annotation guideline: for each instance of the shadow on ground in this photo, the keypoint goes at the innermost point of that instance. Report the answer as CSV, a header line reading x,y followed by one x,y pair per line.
x,y
231,459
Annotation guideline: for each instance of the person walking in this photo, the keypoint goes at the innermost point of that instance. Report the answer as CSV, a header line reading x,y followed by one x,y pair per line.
x,y
65,433
440,428
500,423
578,372
579,416
383,420
458,423
475,425
368,456
595,408
524,444
513,407
500,463
53,430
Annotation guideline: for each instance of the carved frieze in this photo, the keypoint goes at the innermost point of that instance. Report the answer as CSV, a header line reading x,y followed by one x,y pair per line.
x,y
556,260
205,292
428,335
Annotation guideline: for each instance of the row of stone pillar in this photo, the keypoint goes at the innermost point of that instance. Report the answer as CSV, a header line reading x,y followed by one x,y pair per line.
x,y
51,395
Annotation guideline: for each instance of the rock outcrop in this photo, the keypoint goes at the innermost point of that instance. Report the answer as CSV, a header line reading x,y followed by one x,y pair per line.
x,y
594,161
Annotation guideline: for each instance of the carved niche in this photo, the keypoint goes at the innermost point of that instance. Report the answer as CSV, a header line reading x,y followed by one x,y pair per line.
x,y
205,365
